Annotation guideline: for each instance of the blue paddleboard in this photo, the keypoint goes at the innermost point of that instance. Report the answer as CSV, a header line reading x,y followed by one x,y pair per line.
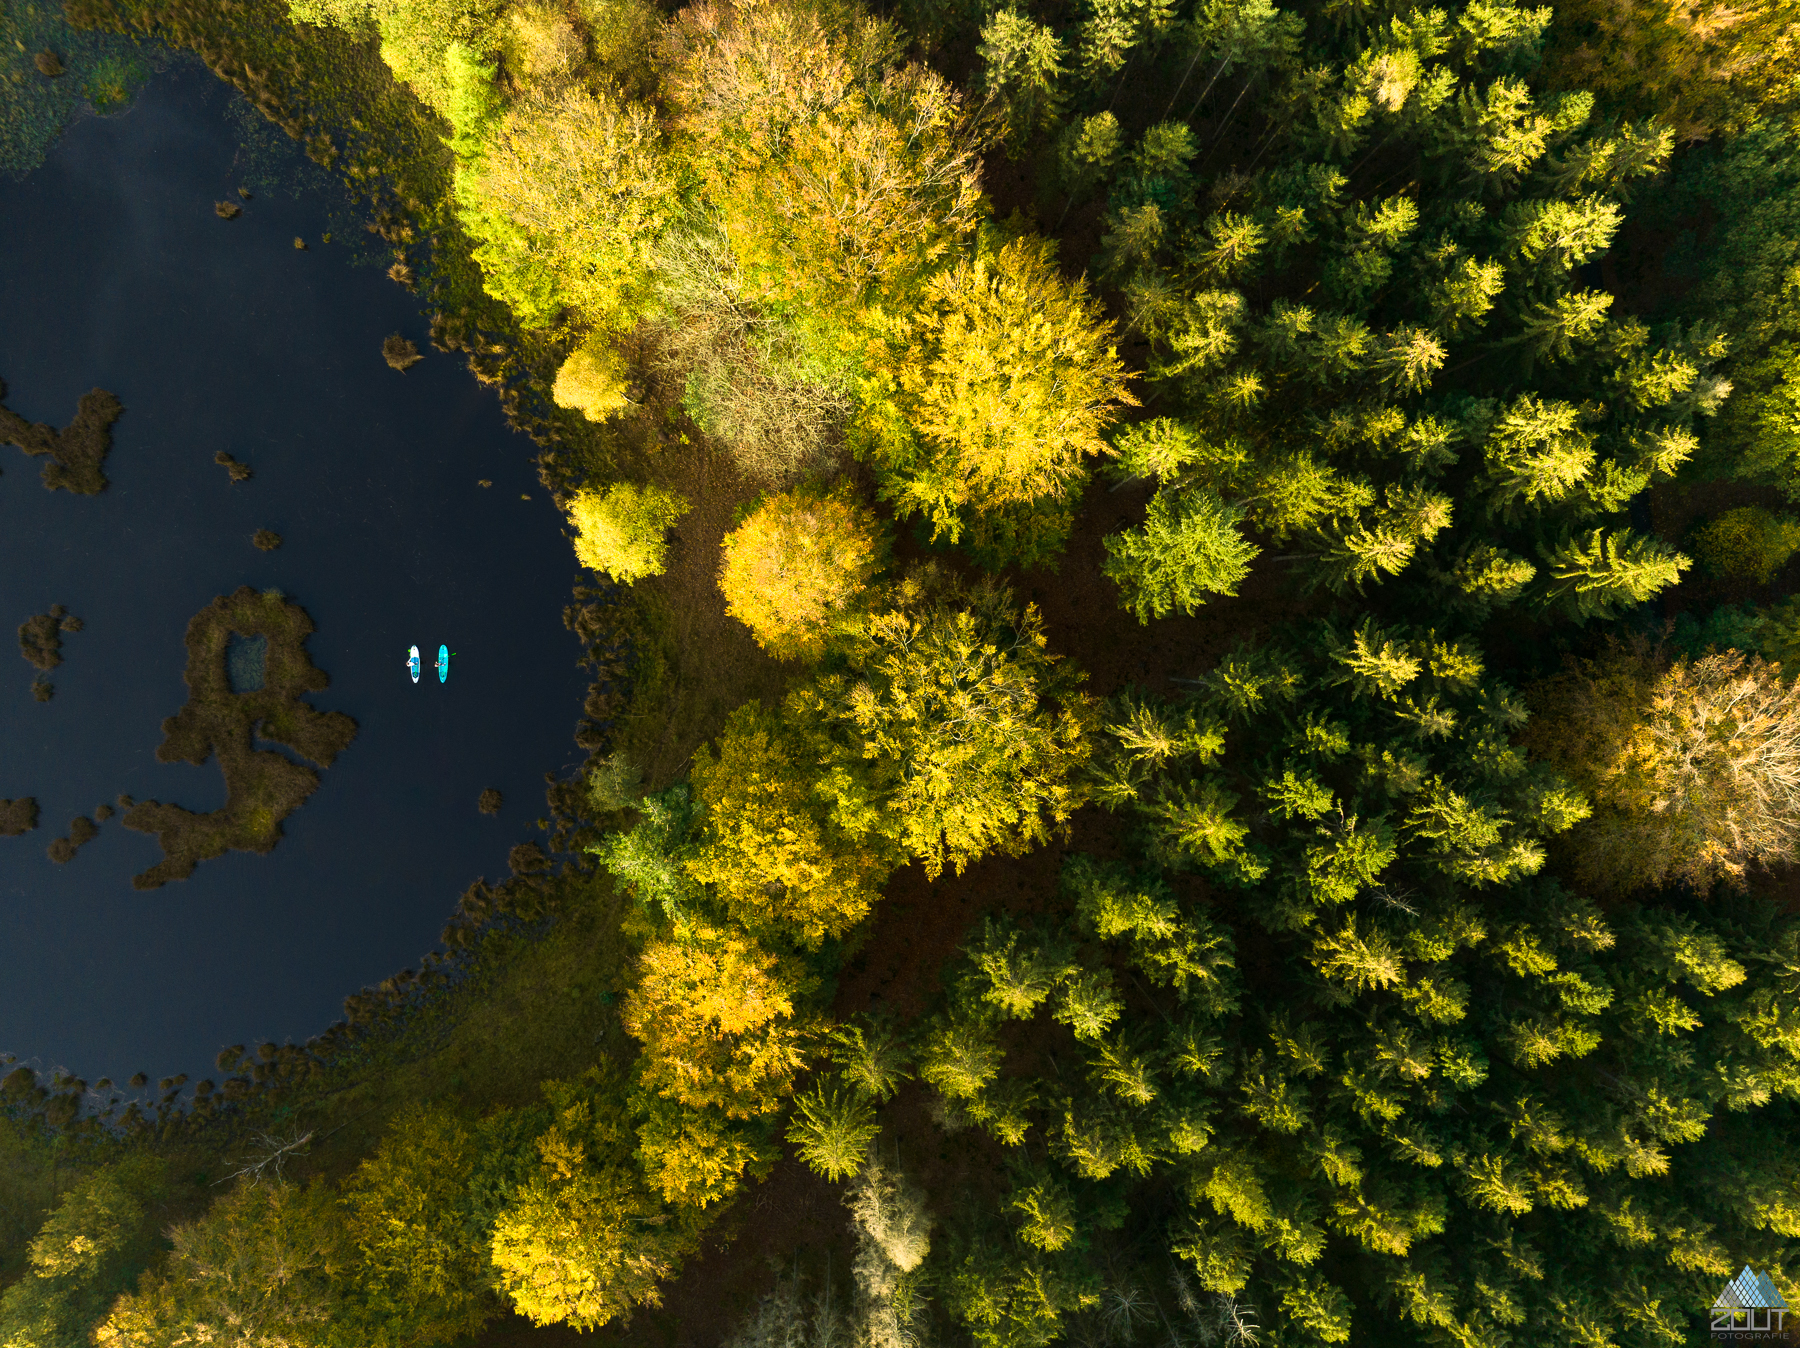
x,y
412,662
443,663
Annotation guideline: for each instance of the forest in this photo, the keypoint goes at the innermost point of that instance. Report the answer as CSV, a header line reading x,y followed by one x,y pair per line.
x,y
1242,551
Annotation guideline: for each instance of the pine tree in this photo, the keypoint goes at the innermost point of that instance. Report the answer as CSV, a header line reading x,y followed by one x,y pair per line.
x,y
1021,63
1188,548
1319,408
1600,574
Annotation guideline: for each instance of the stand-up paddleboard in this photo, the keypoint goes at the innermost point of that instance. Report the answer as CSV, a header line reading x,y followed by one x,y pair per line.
x,y
443,663
412,662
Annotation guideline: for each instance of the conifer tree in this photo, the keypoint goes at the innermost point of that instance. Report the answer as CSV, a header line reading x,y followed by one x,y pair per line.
x,y
1387,375
1188,548
1494,1116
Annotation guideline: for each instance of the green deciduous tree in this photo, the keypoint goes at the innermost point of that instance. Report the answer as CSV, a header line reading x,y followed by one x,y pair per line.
x,y
1700,68
91,1247
567,194
266,1264
418,1273
1748,545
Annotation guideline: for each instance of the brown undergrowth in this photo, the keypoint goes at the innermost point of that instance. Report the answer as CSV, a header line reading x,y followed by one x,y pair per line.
x,y
262,787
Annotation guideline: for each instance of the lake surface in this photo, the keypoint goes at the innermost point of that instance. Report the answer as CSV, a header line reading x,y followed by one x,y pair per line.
x,y
216,335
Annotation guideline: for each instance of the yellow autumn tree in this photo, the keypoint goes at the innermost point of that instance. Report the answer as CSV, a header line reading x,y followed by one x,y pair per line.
x,y
697,1157
584,1241
796,570
265,1264
994,394
1693,766
772,848
838,174
593,380
1697,65
567,194
983,731
622,529
715,1013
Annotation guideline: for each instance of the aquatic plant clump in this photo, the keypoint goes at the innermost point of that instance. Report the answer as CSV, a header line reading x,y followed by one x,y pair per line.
x,y
77,451
18,817
262,787
266,539
489,801
82,831
40,637
240,472
400,353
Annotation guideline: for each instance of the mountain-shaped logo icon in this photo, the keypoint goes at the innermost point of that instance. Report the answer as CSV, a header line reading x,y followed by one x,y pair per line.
x,y
1749,1306
1750,1290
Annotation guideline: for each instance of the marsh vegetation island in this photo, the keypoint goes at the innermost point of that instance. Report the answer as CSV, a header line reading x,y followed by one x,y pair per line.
x,y
77,453
401,353
1193,735
239,472
233,700
40,637
82,831
18,817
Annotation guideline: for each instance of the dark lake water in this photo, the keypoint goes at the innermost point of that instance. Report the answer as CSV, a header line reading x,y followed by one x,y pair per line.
x,y
115,272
